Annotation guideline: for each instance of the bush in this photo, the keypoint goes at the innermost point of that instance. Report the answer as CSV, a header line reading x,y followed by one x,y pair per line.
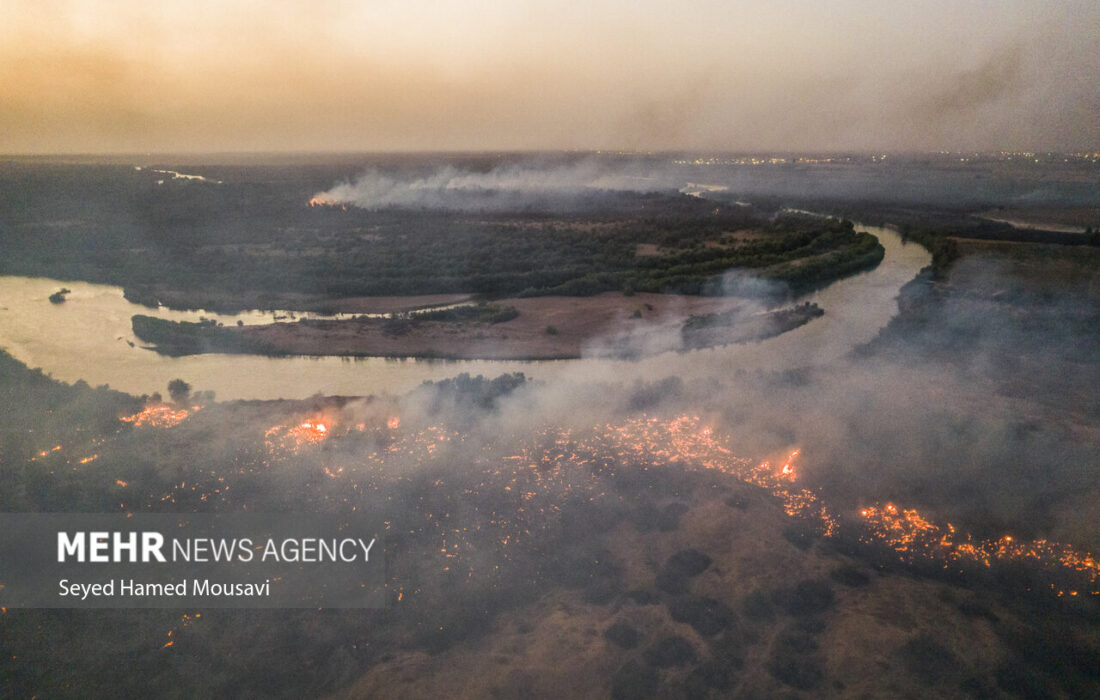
x,y
622,634
601,591
729,649
669,518
642,597
634,682
712,674
758,606
1022,680
688,562
806,598
796,641
669,652
706,616
479,313
849,576
396,326
792,667
672,582
179,391
929,660
58,297
738,501
801,535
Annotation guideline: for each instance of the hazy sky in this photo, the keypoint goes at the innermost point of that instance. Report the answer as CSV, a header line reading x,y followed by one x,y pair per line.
x,y
244,75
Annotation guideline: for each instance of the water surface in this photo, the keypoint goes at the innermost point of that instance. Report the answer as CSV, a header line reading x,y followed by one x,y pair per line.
x,y
89,337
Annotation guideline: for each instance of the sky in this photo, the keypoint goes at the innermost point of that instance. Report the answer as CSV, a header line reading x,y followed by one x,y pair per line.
x,y
424,75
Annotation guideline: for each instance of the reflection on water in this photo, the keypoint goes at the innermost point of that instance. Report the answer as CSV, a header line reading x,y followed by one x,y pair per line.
x,y
89,337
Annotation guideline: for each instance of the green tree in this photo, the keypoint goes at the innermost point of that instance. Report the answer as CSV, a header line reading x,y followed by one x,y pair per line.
x,y
179,390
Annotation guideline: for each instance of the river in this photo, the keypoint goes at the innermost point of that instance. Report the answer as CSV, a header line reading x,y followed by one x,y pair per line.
x,y
89,337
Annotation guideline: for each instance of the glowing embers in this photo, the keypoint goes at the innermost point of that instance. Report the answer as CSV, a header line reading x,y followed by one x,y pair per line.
x,y
906,532
787,470
686,439
160,416
902,530
513,487
292,438
46,453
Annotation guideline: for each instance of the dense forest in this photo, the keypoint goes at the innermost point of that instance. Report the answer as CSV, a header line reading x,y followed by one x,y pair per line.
x,y
247,237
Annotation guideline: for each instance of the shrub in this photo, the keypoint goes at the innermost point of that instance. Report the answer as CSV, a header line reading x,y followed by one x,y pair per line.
x,y
622,634
929,660
794,668
634,682
706,616
801,535
179,391
669,518
670,651
688,562
672,582
758,606
849,576
806,598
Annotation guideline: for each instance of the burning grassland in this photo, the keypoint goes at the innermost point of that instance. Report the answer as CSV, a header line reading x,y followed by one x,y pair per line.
x,y
913,537
527,545
160,416
292,438
511,489
480,490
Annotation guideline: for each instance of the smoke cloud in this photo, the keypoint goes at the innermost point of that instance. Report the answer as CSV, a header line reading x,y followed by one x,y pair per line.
x,y
505,187
973,421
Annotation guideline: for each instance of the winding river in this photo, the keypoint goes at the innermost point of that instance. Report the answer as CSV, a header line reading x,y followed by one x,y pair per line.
x,y
89,337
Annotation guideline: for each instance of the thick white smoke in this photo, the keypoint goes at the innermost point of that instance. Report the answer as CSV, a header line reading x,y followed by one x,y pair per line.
x,y
507,186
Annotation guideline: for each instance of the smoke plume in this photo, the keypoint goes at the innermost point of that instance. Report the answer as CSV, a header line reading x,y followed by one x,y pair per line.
x,y
505,187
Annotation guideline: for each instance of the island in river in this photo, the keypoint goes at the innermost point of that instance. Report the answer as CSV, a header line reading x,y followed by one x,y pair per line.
x,y
549,327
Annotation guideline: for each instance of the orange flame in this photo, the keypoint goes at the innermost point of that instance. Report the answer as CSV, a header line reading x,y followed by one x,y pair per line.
x,y
292,439
906,531
160,416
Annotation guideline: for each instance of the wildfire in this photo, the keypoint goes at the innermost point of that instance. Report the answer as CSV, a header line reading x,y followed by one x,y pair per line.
x,y
907,532
160,416
293,438
537,472
788,467
46,453
322,201
685,440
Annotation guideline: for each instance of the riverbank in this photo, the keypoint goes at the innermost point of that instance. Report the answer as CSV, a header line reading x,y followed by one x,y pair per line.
x,y
538,328
1058,219
166,295
90,338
